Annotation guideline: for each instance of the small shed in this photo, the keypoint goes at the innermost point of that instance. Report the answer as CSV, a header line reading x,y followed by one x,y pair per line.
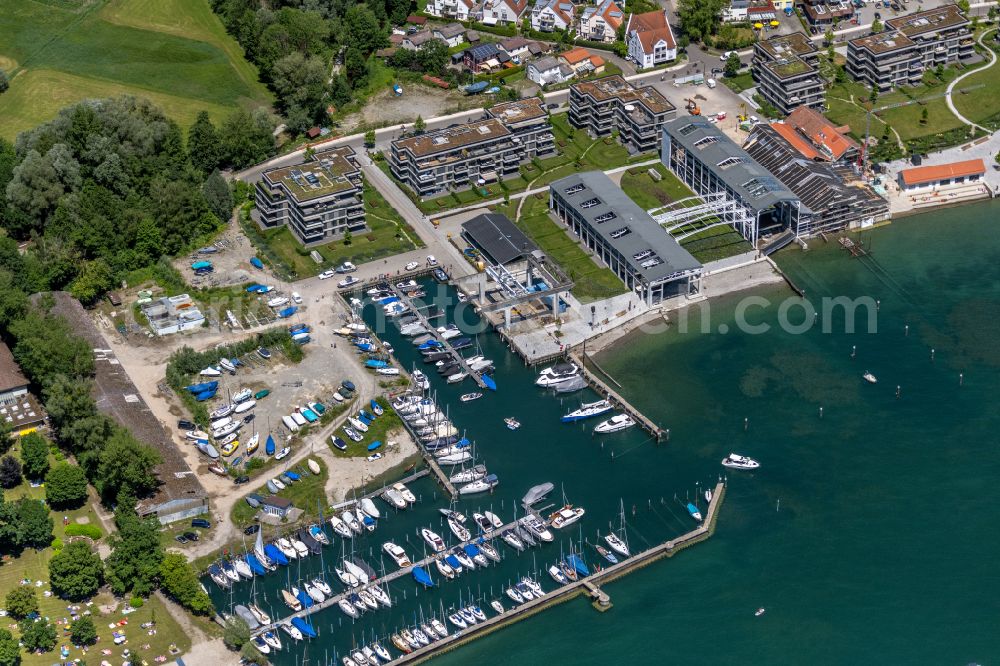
x,y
276,506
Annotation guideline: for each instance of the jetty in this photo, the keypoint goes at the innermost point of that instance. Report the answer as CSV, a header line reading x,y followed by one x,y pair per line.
x,y
426,323
589,586
615,398
419,474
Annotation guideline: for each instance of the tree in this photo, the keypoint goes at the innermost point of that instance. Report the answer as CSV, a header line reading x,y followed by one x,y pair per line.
x,y
94,279
433,56
37,635
204,146
218,196
246,138
236,633
66,486
363,30
699,18
356,68
4,81
35,455
76,572
68,402
10,472
46,348
733,65
347,236
251,654
877,27
419,125
10,651
83,631
36,523
370,138
179,580
963,5
340,91
125,464
136,554
40,180
300,83
828,36
21,602
992,13
923,116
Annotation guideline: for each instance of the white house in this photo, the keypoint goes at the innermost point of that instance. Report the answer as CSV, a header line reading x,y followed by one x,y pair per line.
x,y
503,12
456,9
601,22
549,71
452,34
552,15
650,40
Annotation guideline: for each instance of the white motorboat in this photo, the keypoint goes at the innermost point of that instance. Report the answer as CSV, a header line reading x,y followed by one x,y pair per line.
x,y
352,521
357,424
277,302
708,495
483,485
420,380
566,516
272,639
340,527
512,540
348,608
210,372
291,600
292,631
404,492
388,372
222,441
196,435
469,397
493,518
557,374
463,558
242,395
457,377
734,461
616,544
346,577
245,406
870,378
459,530
457,620
394,498
397,553
357,571
488,550
484,523
537,527
300,548
221,413
314,592
444,568
338,397
587,410
286,548
367,599
497,606
227,429
244,570
433,540
369,508
439,627
616,423
380,595
322,586
515,595
557,575
468,475
478,613
278,483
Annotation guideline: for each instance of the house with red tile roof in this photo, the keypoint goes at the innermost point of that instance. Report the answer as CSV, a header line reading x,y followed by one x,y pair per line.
x,y
650,39
601,22
582,61
932,177
830,142
552,15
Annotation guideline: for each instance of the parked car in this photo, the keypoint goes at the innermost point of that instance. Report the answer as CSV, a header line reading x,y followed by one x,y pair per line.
x,y
240,480
552,105
878,17
326,275
296,297
180,538
184,424
346,267
190,536
718,70
725,56
200,522
252,529
412,266
431,261
347,281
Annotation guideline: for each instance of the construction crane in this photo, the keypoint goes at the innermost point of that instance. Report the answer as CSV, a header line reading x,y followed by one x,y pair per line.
x,y
909,102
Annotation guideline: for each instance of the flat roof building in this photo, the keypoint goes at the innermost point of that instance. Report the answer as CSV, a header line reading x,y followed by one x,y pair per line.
x,y
13,383
786,69
612,103
910,46
318,199
709,162
499,239
19,410
476,153
624,236
172,314
833,196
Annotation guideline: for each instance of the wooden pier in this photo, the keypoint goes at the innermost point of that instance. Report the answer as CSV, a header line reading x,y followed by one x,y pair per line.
x,y
431,329
588,586
616,399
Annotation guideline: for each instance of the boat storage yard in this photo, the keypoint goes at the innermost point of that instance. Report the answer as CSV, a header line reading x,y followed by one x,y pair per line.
x,y
547,508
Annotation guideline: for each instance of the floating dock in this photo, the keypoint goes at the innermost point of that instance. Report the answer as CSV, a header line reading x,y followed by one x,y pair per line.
x,y
432,463
425,321
616,399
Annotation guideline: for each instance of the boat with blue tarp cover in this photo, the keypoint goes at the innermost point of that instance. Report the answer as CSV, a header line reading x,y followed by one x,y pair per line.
x,y
421,576
275,554
577,563
304,627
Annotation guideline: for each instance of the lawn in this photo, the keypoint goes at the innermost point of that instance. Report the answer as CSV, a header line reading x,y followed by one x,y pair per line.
x,y
709,245
31,565
376,432
304,494
388,234
592,282
740,82
981,105
175,52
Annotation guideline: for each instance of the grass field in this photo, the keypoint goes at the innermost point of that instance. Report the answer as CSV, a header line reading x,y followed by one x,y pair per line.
x,y
303,493
175,52
31,566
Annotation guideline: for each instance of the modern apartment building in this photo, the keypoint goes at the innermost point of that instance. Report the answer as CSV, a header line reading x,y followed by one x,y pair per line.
x,y
475,153
318,199
612,103
910,46
786,69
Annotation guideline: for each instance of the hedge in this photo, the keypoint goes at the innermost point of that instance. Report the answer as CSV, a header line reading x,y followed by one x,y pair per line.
x,y
90,531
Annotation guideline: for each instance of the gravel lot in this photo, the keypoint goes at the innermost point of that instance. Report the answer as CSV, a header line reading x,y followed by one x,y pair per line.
x,y
387,109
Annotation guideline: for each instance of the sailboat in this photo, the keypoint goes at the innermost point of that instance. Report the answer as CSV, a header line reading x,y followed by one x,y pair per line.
x,y
269,445
617,542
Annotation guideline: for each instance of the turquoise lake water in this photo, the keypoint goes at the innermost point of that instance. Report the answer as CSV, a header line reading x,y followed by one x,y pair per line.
x,y
868,533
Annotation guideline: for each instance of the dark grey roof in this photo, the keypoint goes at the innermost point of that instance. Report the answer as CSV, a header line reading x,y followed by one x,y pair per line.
x,y
498,237
819,185
483,51
609,211
754,184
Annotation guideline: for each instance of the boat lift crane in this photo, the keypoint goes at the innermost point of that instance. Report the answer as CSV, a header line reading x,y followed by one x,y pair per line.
x,y
909,102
